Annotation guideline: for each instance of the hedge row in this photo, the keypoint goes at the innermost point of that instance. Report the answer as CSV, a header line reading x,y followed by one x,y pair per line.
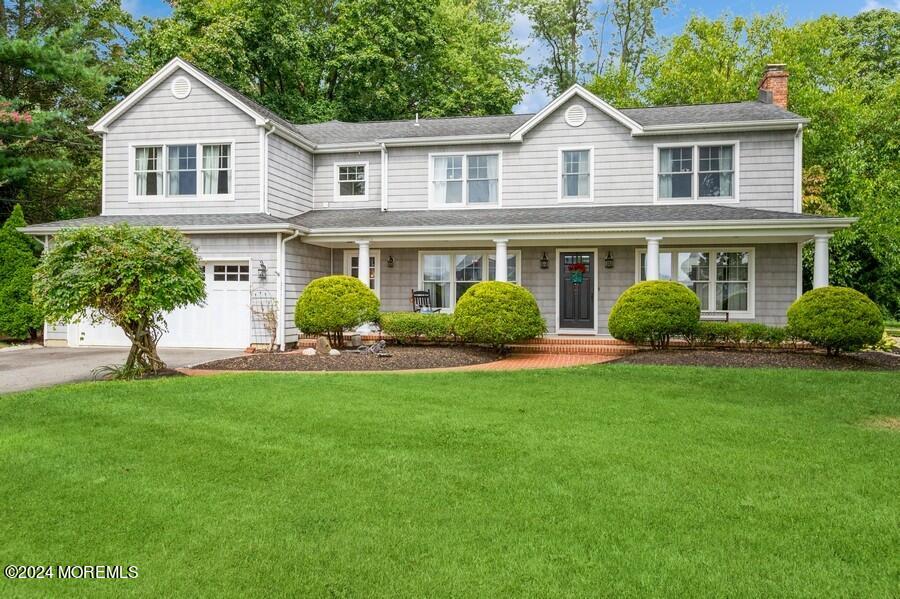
x,y
415,327
739,334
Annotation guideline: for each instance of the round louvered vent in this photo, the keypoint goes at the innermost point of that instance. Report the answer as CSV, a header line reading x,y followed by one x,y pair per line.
x,y
576,115
181,87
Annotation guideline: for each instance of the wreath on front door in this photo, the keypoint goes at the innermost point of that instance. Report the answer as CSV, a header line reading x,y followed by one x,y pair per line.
x,y
576,272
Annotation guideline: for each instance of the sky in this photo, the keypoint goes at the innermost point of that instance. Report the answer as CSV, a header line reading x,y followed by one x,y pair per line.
x,y
536,98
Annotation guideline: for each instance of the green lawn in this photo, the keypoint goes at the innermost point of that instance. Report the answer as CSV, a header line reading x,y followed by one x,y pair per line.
x,y
609,481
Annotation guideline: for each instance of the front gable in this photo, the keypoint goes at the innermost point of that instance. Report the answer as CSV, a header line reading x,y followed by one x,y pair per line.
x,y
569,98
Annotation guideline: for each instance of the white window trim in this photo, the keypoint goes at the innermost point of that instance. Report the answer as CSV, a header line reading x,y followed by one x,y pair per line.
x,y
749,313
165,197
434,205
350,254
486,255
337,188
695,178
559,175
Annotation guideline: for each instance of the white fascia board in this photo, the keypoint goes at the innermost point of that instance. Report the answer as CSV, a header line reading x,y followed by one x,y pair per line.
x,y
151,83
291,136
770,125
760,226
588,97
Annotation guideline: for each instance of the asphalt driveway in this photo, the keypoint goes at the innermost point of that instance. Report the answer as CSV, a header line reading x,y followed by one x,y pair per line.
x,y
41,367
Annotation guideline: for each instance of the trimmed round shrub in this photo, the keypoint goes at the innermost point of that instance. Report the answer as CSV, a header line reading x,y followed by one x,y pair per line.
x,y
653,311
496,313
836,318
330,305
415,327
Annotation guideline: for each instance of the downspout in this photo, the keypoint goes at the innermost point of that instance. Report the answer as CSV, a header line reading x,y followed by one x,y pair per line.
x,y
798,169
282,285
269,128
384,177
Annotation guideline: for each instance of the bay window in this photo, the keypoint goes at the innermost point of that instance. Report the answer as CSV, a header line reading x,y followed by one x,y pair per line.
x,y
722,279
696,172
180,170
465,180
447,276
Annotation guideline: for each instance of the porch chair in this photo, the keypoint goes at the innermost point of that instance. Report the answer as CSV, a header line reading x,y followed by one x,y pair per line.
x,y
421,301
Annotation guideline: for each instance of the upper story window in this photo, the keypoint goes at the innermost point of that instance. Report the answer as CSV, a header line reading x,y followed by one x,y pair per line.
x,y
465,180
696,172
351,181
182,170
575,171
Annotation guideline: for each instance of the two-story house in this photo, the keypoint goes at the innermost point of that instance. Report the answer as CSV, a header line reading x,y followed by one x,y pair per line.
x,y
708,195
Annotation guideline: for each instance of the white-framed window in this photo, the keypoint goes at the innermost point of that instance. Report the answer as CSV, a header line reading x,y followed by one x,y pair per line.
x,y
216,169
182,170
723,278
465,179
686,172
351,180
576,174
351,268
447,275
148,171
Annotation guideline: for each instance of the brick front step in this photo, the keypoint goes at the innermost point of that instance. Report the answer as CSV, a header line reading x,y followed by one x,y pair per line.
x,y
597,349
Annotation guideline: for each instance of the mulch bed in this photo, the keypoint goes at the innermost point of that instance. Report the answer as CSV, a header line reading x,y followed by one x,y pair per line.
x,y
869,360
401,358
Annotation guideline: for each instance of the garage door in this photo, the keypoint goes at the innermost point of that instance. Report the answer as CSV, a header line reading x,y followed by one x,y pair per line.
x,y
224,321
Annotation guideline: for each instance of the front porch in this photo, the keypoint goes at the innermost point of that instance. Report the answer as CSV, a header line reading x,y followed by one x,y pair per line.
x,y
749,280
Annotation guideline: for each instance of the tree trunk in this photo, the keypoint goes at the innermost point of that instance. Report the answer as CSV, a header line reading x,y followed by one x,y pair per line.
x,y
143,356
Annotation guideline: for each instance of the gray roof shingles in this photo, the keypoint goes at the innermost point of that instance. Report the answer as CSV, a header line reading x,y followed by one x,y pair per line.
x,y
373,218
317,220
336,132
168,220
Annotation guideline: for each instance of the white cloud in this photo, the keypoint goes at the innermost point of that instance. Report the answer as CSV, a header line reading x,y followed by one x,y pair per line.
x,y
877,4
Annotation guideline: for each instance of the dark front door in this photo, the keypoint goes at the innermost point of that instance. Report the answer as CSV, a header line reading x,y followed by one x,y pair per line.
x,y
576,290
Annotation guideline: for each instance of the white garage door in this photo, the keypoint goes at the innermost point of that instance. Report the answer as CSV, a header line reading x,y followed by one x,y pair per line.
x,y
224,321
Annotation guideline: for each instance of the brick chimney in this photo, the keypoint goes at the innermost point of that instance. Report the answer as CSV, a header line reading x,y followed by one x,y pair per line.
x,y
773,89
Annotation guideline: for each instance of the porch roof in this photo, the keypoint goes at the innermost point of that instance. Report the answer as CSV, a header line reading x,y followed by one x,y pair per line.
x,y
199,223
634,217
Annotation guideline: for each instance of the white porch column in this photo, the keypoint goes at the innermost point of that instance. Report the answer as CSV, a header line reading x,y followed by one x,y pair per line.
x,y
653,258
362,272
820,262
501,260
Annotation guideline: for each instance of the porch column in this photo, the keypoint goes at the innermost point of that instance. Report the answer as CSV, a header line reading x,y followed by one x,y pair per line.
x,y
362,273
653,258
820,262
501,259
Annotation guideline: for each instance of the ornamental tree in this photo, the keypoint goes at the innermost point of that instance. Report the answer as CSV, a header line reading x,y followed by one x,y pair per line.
x,y
130,276
19,318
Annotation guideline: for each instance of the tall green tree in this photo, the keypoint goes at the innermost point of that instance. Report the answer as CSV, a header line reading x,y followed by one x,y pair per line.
x,y
601,44
19,319
346,59
59,67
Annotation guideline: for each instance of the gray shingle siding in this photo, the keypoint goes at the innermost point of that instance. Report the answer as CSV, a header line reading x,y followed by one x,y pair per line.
x,y
160,118
290,178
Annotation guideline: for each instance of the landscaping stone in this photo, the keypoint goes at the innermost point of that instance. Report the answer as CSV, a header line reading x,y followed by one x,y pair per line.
x,y
322,346
334,352
309,351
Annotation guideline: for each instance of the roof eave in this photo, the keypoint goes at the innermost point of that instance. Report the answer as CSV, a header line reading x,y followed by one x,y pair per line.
x,y
719,127
196,229
594,228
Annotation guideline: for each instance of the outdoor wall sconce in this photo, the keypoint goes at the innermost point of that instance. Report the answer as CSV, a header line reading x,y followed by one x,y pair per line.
x,y
390,262
262,271
545,262
609,260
